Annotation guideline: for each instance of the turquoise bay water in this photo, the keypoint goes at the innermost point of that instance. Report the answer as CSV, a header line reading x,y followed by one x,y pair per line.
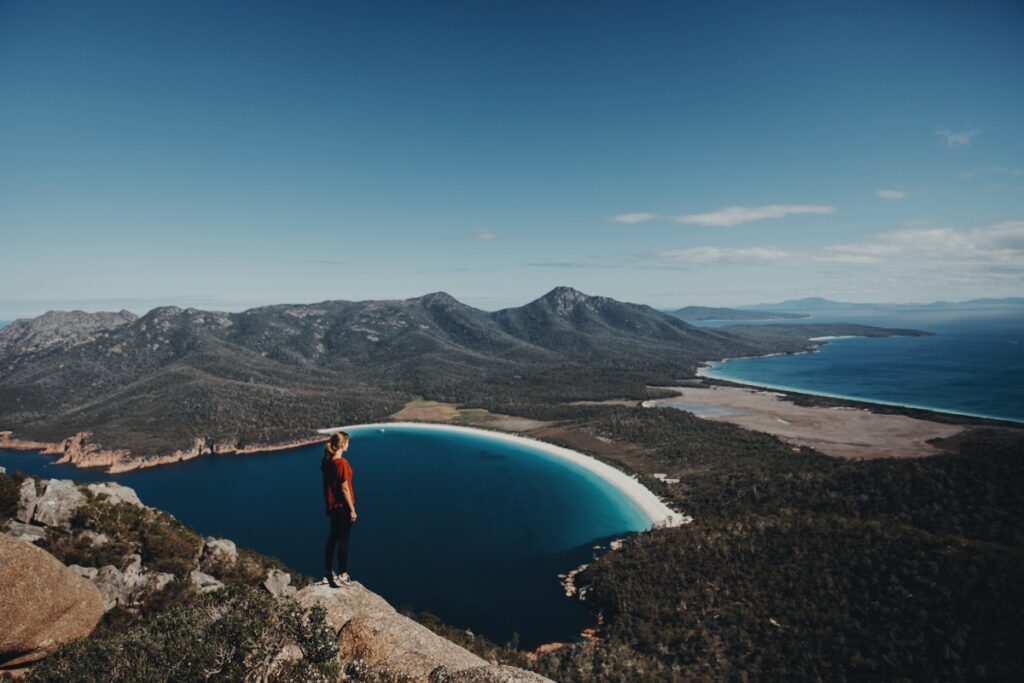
x,y
470,528
973,365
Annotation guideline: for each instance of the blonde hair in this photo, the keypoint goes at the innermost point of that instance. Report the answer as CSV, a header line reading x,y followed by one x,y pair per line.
x,y
334,444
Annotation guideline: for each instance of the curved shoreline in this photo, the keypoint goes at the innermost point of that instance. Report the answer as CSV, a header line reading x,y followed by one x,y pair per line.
x,y
706,369
656,511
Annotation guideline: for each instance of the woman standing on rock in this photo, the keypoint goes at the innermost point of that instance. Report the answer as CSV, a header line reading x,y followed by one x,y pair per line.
x,y
340,505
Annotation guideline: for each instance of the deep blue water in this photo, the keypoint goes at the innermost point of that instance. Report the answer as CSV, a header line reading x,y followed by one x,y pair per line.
x,y
472,529
973,365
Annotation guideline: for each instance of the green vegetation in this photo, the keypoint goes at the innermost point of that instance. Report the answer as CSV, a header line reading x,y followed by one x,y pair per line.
x,y
9,496
168,546
243,634
815,597
799,566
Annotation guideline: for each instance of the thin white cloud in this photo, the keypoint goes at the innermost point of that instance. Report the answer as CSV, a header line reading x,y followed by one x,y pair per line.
x,y
993,170
736,215
952,138
485,234
727,254
890,194
631,218
988,252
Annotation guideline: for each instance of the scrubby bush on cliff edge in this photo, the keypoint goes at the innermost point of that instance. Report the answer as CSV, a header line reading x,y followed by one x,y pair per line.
x,y
240,634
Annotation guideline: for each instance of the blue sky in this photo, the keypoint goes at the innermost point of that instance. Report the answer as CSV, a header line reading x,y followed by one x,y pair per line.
x,y
225,155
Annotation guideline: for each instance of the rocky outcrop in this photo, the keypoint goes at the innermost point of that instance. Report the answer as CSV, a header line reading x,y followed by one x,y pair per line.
x,y
58,504
114,493
373,639
218,555
204,583
278,583
57,330
125,587
379,642
55,507
27,498
42,603
25,532
79,451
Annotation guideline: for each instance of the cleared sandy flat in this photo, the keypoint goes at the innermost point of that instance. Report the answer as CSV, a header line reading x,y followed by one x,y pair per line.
x,y
450,413
842,432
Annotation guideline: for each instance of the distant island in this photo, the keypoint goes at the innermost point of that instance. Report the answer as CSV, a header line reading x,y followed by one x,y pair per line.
x,y
700,313
819,304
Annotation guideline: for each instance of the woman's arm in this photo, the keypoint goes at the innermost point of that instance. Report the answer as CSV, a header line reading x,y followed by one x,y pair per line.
x,y
346,490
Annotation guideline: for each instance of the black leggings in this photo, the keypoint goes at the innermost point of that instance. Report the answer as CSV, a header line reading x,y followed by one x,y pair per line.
x,y
341,527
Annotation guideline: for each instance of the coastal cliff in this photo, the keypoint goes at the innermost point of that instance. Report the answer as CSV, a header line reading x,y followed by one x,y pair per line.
x,y
80,451
101,553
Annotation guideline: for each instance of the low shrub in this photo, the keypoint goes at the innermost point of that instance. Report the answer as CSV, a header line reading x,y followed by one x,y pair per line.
x,y
8,497
168,545
235,634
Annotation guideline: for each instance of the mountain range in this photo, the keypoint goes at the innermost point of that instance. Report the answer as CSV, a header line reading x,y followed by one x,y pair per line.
x,y
177,379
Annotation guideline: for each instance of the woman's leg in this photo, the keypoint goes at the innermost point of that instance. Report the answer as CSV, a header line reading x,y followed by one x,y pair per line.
x,y
332,540
344,531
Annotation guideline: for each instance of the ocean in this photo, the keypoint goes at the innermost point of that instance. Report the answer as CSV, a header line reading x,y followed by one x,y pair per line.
x,y
973,365
472,529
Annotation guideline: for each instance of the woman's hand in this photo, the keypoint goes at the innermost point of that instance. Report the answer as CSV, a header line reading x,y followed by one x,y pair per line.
x,y
352,515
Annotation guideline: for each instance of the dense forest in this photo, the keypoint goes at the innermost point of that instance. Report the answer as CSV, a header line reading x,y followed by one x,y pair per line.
x,y
803,567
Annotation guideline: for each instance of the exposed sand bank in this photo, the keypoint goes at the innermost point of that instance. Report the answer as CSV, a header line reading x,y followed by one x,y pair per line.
x,y
451,413
839,431
657,513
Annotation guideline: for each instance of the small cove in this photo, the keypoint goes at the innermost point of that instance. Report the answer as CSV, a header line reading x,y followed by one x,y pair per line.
x,y
462,525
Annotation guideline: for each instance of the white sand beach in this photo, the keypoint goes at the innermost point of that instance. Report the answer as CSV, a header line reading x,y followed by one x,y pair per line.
x,y
659,514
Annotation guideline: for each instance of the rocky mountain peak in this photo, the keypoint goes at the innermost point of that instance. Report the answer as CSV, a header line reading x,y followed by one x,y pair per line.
x,y
566,299
58,329
438,299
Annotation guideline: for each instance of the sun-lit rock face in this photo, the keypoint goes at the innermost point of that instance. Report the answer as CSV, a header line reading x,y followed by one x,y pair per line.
x,y
385,645
58,329
43,604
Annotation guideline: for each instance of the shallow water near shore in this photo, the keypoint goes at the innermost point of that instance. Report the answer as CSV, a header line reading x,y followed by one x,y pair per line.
x,y
470,528
973,365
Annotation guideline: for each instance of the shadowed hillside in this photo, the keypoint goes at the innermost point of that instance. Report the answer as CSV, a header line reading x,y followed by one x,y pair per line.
x,y
178,379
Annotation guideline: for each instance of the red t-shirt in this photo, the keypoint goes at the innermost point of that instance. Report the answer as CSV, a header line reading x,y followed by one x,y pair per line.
x,y
336,471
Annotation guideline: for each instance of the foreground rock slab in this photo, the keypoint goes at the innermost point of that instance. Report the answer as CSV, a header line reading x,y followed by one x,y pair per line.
x,y
378,640
43,604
